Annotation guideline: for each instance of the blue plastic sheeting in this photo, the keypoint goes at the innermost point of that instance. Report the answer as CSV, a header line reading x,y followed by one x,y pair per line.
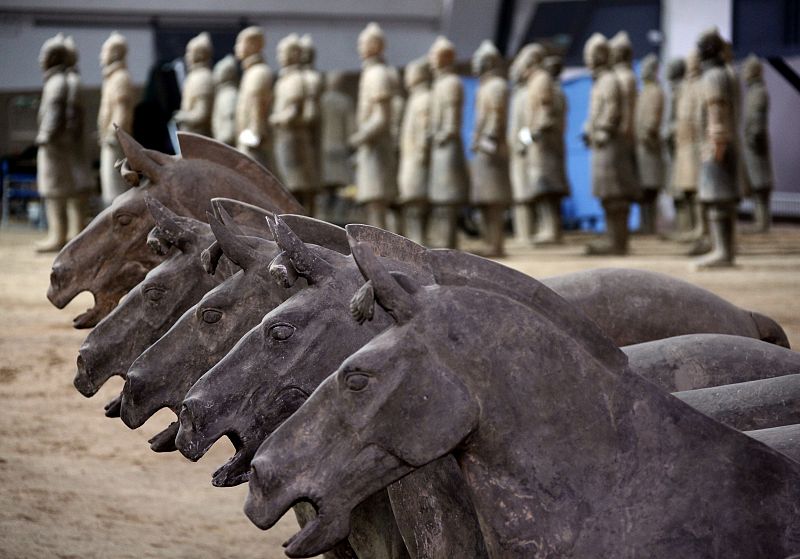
x,y
580,210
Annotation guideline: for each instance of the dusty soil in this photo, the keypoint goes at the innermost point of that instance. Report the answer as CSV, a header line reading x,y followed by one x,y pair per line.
x,y
74,484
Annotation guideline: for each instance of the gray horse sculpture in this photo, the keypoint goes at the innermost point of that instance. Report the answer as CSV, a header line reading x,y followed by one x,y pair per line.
x,y
561,440
110,256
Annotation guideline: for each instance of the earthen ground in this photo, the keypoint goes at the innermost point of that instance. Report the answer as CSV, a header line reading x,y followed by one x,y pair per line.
x,y
74,484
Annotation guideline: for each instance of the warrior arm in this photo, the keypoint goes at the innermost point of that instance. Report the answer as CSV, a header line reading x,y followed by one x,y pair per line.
x,y
53,109
542,102
376,125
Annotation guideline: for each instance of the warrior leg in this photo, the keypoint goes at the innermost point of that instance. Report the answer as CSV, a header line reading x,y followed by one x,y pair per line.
x,y
56,210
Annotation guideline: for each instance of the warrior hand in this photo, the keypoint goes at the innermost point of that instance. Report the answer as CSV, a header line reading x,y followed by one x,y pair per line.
x,y
42,139
600,138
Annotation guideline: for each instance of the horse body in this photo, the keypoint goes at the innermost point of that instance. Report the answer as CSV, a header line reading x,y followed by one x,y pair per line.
x,y
566,452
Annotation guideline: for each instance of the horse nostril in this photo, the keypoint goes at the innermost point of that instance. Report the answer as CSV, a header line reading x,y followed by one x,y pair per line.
x,y
185,418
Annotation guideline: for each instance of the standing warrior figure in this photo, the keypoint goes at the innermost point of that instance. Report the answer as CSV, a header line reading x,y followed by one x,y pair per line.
x,y
491,188
718,185
449,181
686,164
649,151
412,177
529,57
294,154
741,171
373,139
198,88
545,172
602,133
337,113
255,97
54,170
116,109
555,65
78,204
621,53
676,69
223,117
312,113
756,140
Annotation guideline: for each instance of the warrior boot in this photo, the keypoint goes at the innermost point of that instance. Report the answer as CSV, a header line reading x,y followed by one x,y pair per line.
x,y
56,210
493,230
523,223
616,239
414,217
761,212
548,222
648,212
683,217
722,225
76,215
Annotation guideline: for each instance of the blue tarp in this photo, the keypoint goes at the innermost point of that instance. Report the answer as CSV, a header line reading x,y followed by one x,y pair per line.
x,y
581,210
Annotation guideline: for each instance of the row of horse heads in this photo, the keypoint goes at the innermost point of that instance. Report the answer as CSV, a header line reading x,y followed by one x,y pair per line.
x,y
409,402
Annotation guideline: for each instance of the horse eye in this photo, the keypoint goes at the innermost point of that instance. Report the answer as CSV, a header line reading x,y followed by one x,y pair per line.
x,y
154,293
124,219
210,316
356,381
281,332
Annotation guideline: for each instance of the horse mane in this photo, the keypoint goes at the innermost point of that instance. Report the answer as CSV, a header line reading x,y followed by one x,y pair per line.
x,y
388,245
195,146
318,232
456,268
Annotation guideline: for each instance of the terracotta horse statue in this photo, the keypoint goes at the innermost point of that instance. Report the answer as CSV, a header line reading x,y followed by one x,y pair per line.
x,y
110,256
566,452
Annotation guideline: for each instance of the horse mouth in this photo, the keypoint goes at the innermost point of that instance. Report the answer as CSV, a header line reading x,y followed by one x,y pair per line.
x,y
192,442
237,469
318,535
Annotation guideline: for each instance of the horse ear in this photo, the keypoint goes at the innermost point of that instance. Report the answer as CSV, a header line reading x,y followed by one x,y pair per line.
x,y
307,264
169,225
234,247
150,163
395,293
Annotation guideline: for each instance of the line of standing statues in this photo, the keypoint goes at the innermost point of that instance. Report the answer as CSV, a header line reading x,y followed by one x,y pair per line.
x,y
411,173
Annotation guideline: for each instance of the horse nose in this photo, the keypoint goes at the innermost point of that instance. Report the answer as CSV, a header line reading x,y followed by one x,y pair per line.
x,y
187,441
82,381
262,475
57,273
131,396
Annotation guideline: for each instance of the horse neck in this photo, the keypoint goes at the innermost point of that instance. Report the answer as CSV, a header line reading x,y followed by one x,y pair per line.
x,y
553,427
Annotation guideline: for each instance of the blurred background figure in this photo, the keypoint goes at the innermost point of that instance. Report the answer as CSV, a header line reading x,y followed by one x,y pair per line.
x,y
197,100
649,151
78,204
756,141
337,123
253,136
223,116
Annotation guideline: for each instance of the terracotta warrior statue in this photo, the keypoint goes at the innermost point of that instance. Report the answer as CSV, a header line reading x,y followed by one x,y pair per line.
x,y
255,97
223,117
602,134
54,170
756,140
686,162
311,109
742,176
78,204
491,189
676,69
415,139
372,139
545,171
621,53
555,65
294,152
649,151
528,58
198,88
449,181
116,109
718,185
337,123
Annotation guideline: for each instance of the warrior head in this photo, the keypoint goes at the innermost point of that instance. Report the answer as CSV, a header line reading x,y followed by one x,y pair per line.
x,y
199,51
442,53
371,41
753,70
676,69
486,59
308,53
225,70
417,72
249,41
711,46
53,53
115,49
289,51
621,48
650,68
595,52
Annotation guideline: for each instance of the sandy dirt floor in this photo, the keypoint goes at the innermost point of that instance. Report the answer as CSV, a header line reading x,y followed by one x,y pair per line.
x,y
74,484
